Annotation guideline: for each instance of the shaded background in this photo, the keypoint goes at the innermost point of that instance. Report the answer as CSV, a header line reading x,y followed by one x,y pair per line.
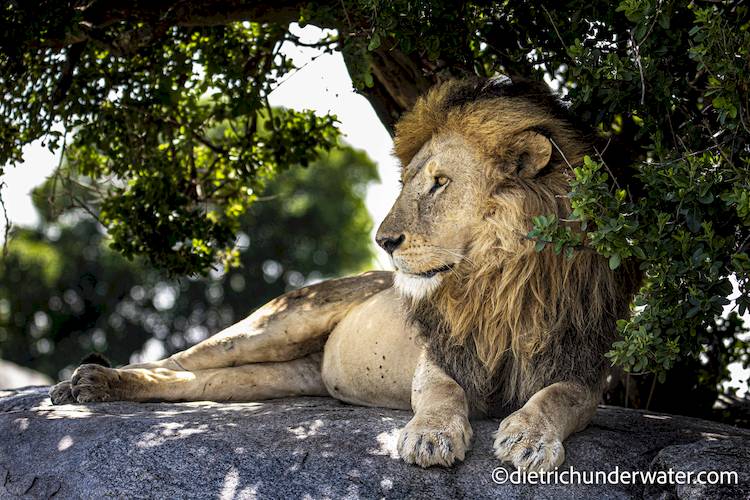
x,y
64,293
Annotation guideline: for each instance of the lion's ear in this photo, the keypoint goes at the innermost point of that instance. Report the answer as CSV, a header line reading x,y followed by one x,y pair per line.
x,y
532,153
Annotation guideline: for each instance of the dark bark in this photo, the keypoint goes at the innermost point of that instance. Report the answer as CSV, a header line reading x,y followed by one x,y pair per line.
x,y
398,79
103,13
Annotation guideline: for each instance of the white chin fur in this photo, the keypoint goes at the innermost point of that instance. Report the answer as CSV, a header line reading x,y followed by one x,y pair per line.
x,y
416,287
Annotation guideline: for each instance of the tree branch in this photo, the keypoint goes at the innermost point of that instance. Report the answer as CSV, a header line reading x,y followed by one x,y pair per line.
x,y
102,13
398,78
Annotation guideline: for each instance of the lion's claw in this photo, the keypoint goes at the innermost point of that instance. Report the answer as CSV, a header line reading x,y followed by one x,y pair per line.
x,y
526,445
61,394
92,383
427,441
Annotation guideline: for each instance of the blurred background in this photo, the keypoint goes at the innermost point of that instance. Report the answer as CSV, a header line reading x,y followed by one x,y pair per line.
x,y
64,293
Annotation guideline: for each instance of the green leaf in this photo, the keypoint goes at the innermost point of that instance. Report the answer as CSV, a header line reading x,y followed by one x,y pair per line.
x,y
692,312
369,82
614,261
706,199
374,42
664,21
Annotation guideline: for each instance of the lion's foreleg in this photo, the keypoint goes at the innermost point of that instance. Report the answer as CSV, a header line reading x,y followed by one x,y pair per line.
x,y
439,433
531,438
253,382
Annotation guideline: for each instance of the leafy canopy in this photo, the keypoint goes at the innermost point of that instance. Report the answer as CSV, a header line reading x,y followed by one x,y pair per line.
x,y
182,125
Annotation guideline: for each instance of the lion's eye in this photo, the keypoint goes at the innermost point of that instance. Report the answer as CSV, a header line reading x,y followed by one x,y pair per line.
x,y
440,181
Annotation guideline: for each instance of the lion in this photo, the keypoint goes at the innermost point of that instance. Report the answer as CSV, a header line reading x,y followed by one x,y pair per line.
x,y
473,322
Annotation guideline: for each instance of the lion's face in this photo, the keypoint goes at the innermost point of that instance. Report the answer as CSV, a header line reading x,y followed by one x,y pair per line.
x,y
430,226
450,189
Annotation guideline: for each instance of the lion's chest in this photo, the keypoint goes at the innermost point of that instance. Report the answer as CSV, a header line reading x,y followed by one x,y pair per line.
x,y
493,393
486,392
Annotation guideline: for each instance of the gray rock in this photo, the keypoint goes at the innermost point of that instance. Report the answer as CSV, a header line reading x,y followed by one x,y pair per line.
x,y
13,375
322,448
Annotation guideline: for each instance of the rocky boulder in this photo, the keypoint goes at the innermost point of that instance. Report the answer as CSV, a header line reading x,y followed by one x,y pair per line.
x,y
322,448
13,375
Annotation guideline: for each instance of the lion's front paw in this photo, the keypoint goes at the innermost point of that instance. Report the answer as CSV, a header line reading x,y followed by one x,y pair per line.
x,y
527,444
61,394
95,383
428,440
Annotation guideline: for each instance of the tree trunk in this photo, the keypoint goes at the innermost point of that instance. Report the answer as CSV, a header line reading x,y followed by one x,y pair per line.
x,y
398,80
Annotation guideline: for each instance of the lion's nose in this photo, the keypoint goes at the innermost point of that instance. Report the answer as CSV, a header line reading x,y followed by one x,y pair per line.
x,y
390,243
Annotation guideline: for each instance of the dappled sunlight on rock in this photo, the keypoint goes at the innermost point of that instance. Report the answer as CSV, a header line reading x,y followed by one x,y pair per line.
x,y
231,488
656,417
231,481
48,410
167,431
252,407
21,423
386,484
307,430
313,448
65,443
387,442
712,436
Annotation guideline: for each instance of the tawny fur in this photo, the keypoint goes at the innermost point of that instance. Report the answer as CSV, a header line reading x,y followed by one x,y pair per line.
x,y
509,320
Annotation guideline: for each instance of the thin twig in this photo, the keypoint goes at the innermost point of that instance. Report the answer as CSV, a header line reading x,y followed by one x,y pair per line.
x,y
552,22
671,129
7,221
57,175
323,43
601,159
653,23
270,197
606,147
580,247
686,156
346,14
742,119
561,152
636,52
81,204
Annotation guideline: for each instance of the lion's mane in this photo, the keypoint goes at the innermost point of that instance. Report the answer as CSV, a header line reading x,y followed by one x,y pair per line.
x,y
511,320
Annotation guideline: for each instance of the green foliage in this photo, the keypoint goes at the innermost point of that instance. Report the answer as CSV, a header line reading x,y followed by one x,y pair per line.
x,y
685,222
180,118
687,235
435,30
64,292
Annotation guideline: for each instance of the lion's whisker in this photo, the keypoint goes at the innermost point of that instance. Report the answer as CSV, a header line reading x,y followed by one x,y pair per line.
x,y
456,254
